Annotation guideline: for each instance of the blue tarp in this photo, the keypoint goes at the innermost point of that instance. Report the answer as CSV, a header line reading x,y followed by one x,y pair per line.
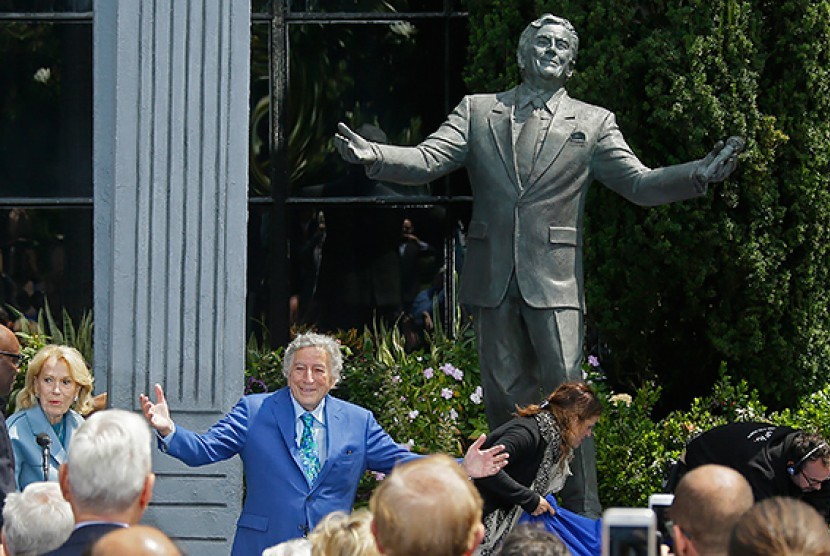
x,y
582,535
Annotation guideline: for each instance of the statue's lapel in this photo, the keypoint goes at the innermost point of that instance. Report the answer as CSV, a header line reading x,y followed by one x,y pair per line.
x,y
500,120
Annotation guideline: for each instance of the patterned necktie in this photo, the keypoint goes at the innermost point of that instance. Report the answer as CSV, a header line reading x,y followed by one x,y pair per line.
x,y
308,449
527,142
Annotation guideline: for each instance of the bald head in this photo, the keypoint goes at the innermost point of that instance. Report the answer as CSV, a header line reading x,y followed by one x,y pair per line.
x,y
138,540
9,363
708,502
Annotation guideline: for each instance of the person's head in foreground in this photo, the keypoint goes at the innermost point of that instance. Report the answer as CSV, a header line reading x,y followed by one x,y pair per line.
x,y
529,539
780,526
342,534
293,547
36,520
108,474
575,407
708,502
427,506
138,540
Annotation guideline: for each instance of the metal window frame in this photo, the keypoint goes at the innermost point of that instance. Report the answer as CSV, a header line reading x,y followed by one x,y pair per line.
x,y
280,19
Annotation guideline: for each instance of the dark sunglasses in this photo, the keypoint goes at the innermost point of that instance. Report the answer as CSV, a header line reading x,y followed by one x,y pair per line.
x,y
18,358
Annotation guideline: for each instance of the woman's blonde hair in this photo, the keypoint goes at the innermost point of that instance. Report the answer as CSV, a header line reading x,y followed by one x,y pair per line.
x,y
571,403
341,534
78,371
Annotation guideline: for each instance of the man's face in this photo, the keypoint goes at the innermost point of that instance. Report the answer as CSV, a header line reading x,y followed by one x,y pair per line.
x,y
549,56
9,364
310,378
811,475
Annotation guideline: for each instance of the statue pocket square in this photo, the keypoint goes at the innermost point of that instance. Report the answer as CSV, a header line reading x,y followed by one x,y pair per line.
x,y
577,137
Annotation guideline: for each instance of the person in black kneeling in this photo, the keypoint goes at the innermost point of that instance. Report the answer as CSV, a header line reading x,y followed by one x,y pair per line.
x,y
776,461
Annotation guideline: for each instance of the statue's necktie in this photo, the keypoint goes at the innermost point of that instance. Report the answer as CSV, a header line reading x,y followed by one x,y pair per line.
x,y
308,449
527,142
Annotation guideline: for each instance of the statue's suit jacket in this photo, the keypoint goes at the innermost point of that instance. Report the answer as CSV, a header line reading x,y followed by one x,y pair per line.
x,y
279,503
24,426
535,229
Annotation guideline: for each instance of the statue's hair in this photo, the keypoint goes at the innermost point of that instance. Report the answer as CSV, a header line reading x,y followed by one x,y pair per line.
x,y
529,34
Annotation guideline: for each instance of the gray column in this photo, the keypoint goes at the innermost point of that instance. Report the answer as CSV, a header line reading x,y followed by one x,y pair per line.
x,y
171,80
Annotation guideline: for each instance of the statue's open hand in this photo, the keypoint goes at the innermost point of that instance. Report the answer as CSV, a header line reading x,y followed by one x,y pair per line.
x,y
352,147
720,162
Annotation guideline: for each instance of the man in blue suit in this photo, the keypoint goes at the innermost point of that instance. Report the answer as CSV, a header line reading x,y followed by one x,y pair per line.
x,y
303,450
531,154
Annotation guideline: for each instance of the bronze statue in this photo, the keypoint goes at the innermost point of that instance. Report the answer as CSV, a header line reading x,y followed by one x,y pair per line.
x,y
531,153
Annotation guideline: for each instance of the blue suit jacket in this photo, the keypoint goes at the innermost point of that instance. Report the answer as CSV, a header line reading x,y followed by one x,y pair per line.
x,y
24,426
279,503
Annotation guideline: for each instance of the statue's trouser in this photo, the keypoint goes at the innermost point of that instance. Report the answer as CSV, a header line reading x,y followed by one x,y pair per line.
x,y
524,354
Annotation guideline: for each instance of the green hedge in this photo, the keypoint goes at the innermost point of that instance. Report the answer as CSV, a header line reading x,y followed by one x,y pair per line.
x,y
634,449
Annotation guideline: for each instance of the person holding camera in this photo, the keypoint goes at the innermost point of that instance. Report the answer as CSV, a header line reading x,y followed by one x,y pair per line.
x,y
540,440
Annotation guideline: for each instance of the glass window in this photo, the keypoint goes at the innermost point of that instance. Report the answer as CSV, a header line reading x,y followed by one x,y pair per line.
x,y
46,109
46,6
46,256
392,81
361,6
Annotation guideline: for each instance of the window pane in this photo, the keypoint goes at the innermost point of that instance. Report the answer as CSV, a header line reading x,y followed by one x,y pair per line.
x,y
376,6
46,109
397,81
259,130
350,264
46,254
46,6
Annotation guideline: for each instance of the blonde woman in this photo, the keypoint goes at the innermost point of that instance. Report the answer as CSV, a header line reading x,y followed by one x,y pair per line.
x,y
57,380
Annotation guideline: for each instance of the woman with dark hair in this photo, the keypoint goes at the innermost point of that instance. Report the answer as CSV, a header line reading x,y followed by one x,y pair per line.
x,y
540,440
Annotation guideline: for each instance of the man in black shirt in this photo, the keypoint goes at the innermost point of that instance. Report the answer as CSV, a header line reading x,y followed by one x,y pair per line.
x,y
776,461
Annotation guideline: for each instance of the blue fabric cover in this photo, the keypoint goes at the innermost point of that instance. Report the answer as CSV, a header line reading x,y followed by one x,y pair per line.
x,y
582,535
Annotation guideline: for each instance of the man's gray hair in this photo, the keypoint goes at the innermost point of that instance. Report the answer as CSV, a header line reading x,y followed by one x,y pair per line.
x,y
322,341
529,34
37,520
109,460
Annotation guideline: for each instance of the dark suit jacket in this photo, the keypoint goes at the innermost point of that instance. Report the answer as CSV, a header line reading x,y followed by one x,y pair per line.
x,y
279,503
82,538
7,482
535,230
510,487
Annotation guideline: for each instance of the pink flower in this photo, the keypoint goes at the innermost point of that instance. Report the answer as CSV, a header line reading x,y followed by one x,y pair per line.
x,y
429,373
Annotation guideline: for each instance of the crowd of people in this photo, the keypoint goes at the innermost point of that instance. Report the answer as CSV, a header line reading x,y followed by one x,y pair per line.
x,y
744,488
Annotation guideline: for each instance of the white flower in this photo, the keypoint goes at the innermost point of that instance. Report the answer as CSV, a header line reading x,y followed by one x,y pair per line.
x,y
414,413
42,75
476,396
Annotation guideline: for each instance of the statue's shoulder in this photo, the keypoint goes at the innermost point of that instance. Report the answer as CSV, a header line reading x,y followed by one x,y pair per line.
x,y
585,108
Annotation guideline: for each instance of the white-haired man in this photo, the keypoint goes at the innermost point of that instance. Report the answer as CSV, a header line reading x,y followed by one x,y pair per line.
x,y
303,451
107,478
36,520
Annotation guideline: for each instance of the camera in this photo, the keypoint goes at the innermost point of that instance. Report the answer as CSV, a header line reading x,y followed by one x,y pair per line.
x,y
629,532
660,504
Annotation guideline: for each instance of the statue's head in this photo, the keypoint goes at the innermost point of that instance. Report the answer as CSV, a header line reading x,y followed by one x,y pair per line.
x,y
548,49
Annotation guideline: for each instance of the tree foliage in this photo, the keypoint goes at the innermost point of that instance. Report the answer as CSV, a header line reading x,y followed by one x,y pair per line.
x,y
738,276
